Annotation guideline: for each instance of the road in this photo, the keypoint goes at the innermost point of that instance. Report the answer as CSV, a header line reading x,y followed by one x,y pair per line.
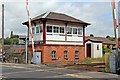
x,y
11,70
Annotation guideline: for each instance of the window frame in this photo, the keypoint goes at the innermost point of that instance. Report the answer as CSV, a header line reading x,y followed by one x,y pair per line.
x,y
61,30
98,47
37,30
69,29
51,29
40,28
57,30
80,30
65,54
53,55
77,56
33,30
76,32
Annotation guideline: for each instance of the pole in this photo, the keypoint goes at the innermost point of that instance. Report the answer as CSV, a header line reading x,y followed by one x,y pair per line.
x,y
30,27
115,31
26,50
2,30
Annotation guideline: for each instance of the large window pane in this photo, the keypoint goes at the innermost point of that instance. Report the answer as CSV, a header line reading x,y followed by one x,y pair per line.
x,y
56,29
69,30
37,29
49,28
61,29
53,54
76,54
41,29
65,54
80,31
74,30
33,30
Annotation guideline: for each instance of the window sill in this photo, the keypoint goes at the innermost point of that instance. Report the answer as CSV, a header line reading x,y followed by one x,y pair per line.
x,y
66,58
53,58
76,58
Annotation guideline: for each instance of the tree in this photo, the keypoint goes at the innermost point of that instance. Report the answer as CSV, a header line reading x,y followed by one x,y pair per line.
x,y
11,35
12,40
108,37
91,35
7,41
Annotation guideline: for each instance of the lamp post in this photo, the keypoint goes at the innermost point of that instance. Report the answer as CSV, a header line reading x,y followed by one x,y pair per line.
x,y
2,31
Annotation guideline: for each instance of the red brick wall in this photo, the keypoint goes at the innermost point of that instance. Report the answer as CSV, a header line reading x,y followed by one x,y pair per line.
x,y
60,54
47,50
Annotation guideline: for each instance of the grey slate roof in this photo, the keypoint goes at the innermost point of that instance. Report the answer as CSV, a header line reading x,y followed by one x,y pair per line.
x,y
103,39
58,16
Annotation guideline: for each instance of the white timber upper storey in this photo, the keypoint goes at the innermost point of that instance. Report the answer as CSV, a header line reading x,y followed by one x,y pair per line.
x,y
57,31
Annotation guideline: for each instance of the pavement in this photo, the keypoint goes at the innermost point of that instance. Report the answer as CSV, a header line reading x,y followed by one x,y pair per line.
x,y
30,71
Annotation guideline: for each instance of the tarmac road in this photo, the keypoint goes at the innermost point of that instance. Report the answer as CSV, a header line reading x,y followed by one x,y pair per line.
x,y
32,71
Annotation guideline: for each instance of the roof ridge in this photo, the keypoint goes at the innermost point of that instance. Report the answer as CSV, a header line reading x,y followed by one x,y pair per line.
x,y
46,14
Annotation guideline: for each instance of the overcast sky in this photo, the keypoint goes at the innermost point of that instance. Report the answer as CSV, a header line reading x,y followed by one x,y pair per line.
x,y
99,14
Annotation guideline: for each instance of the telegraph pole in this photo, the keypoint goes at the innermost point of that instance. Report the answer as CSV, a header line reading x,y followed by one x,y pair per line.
x,y
2,30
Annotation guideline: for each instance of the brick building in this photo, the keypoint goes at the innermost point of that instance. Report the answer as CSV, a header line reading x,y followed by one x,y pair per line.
x,y
58,38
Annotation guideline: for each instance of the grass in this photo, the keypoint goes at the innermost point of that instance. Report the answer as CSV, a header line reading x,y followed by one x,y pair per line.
x,y
90,60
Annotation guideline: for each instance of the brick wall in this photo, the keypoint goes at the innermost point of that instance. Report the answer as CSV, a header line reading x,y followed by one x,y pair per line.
x,y
47,59
47,50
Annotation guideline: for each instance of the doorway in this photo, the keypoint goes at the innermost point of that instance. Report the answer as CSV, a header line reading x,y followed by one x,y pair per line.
x,y
37,58
88,50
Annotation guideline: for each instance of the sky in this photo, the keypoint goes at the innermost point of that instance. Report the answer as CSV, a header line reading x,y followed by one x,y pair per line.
x,y
98,14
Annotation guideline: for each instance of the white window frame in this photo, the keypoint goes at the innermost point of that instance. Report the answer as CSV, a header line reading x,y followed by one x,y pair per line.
x,y
53,54
37,28
76,55
47,29
41,28
81,31
98,47
33,31
65,54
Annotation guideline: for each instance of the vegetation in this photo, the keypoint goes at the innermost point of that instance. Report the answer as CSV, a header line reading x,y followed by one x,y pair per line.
x,y
110,38
91,60
91,35
106,50
12,40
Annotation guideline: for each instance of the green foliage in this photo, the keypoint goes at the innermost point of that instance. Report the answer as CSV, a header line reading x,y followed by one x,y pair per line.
x,y
90,60
106,50
108,36
91,35
119,39
12,40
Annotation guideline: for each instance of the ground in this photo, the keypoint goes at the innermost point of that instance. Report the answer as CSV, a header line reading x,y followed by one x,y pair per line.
x,y
11,70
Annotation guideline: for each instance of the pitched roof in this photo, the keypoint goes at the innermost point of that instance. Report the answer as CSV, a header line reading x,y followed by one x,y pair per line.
x,y
103,39
57,16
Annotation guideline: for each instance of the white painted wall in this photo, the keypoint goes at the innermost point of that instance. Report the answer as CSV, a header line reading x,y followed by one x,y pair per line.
x,y
97,53
94,52
37,36
58,38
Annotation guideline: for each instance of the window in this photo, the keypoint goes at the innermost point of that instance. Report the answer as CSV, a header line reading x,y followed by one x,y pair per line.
x,y
33,30
76,55
41,29
56,29
69,30
65,54
61,29
98,47
37,29
49,28
74,30
53,54
79,31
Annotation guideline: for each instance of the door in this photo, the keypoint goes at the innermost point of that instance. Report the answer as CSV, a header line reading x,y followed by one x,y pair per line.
x,y
88,50
37,58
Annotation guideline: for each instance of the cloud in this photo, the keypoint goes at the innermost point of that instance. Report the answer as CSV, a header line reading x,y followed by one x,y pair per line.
x,y
96,13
